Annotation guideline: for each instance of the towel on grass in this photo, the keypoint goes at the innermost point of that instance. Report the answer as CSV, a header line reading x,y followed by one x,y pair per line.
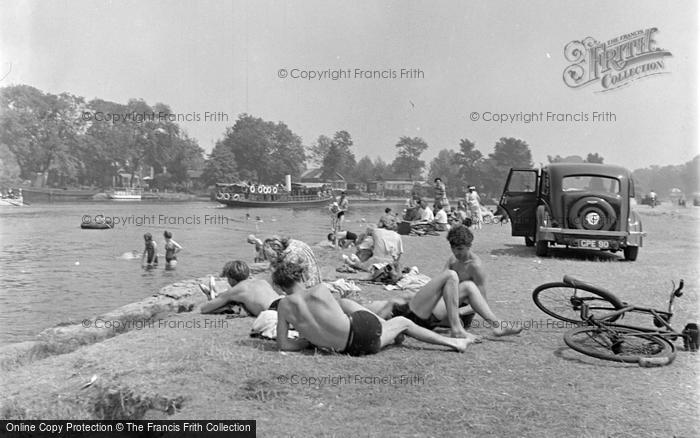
x,y
265,326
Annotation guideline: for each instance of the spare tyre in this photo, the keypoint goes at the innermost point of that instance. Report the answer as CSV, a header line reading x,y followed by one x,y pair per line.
x,y
591,213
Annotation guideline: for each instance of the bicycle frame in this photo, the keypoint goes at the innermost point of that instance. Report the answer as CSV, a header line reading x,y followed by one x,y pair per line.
x,y
662,319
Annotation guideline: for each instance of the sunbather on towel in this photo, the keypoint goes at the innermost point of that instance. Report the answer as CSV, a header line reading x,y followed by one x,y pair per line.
x,y
343,326
252,294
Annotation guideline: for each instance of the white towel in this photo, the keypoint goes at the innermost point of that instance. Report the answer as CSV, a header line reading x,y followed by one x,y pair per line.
x,y
265,326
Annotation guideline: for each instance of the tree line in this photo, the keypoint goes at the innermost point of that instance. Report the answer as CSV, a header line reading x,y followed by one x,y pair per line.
x,y
63,138
68,141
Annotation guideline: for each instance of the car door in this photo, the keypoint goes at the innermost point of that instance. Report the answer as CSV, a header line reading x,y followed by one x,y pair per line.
x,y
519,200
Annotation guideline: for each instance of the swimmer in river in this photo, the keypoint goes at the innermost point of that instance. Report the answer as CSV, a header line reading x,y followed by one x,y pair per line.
x,y
171,248
149,252
259,253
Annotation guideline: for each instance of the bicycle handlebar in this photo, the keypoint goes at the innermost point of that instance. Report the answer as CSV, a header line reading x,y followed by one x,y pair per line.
x,y
676,293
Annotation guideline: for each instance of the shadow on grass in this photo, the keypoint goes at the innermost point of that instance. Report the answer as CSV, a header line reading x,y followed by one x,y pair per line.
x,y
560,253
570,355
514,250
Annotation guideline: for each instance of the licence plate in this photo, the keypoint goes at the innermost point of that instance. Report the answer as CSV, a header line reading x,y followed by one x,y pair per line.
x,y
590,243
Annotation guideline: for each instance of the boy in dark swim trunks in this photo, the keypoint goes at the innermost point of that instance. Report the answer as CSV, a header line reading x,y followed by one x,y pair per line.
x,y
462,283
344,326
252,294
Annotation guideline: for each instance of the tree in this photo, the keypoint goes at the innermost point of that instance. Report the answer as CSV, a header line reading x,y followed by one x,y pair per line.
x,y
508,152
690,175
407,161
567,159
365,171
382,169
470,162
41,130
221,166
319,150
339,158
594,158
263,150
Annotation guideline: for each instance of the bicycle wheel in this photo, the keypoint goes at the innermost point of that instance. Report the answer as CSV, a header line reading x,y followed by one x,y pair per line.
x,y
564,301
621,344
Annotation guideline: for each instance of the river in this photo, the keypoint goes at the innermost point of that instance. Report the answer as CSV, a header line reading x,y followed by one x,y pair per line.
x,y
52,271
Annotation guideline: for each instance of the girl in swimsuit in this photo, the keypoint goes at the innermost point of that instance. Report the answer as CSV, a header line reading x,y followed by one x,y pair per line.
x,y
171,248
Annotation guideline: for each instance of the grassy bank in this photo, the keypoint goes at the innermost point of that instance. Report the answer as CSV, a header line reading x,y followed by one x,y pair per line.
x,y
191,366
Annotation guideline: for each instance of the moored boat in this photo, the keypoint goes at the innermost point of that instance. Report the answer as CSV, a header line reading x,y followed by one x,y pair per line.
x,y
126,194
36,194
12,199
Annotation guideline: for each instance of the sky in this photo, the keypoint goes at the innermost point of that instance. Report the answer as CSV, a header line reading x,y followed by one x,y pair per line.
x,y
465,63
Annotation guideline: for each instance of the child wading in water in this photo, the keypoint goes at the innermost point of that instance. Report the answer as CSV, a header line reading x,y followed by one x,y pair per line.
x,y
171,248
149,252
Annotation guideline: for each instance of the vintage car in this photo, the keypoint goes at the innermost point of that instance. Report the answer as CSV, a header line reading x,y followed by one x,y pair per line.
x,y
580,205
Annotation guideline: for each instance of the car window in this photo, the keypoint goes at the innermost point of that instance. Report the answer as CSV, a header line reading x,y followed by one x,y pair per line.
x,y
522,181
599,184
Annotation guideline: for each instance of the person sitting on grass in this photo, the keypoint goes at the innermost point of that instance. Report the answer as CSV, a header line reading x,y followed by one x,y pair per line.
x,y
446,299
440,222
388,220
342,239
345,326
277,249
376,245
254,295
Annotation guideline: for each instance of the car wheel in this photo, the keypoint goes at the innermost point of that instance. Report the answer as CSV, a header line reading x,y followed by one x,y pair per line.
x,y
631,253
593,214
529,241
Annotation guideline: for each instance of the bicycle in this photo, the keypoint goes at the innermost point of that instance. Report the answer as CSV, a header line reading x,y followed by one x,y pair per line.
x,y
601,336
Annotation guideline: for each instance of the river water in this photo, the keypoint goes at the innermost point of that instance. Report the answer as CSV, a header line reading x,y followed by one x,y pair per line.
x,y
52,271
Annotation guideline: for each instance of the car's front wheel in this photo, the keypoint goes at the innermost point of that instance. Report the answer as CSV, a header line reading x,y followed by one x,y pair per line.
x,y
631,253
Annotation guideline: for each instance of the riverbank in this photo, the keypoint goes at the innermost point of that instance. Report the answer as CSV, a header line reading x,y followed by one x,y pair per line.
x,y
185,365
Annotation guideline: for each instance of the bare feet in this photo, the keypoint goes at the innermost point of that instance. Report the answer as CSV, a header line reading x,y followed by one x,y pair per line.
x,y
460,333
503,330
461,344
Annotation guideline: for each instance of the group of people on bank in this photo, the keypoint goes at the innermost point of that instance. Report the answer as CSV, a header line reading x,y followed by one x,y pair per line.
x,y
450,299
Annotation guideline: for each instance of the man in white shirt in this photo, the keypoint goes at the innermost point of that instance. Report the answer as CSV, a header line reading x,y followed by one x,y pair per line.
x,y
426,214
440,222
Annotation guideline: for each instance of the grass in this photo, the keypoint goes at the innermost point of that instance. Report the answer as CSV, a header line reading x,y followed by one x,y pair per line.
x,y
529,385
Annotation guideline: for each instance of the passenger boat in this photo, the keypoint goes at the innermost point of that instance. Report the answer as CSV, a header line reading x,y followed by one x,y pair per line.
x,y
261,195
126,194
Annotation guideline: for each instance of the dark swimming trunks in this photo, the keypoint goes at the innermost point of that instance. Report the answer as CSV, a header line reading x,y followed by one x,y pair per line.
x,y
365,334
275,304
405,311
349,235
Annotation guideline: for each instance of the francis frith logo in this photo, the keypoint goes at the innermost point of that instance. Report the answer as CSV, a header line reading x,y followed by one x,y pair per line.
x,y
614,63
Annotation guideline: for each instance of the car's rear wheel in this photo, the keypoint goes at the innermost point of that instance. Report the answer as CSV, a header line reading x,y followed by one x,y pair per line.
x,y
631,253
